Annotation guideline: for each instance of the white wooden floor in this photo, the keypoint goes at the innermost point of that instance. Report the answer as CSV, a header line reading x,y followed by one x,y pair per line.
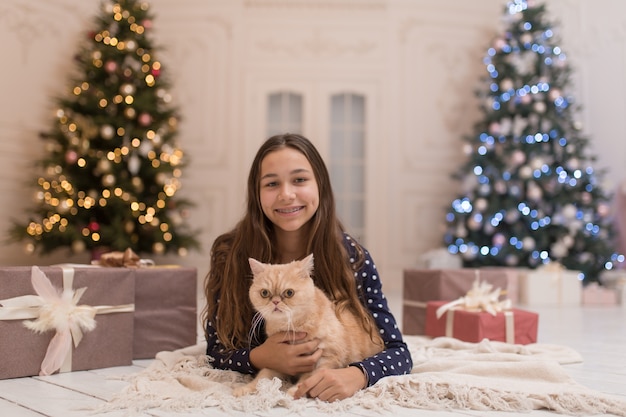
x,y
598,333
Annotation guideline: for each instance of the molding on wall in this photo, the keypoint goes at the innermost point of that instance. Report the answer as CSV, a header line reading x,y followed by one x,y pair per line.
x,y
316,45
31,23
348,5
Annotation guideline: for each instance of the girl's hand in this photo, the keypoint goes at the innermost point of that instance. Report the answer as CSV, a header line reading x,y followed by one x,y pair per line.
x,y
332,384
287,352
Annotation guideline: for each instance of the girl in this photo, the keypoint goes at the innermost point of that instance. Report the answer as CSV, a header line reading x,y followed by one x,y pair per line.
x,y
290,214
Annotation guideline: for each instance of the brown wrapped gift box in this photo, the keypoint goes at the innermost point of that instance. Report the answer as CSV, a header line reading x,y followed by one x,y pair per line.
x,y
423,285
165,309
109,344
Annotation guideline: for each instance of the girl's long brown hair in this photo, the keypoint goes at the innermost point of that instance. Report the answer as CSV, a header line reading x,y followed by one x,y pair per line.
x,y
229,275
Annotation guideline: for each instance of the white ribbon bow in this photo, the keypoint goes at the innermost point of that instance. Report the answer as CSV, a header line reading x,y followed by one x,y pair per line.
x,y
53,309
482,297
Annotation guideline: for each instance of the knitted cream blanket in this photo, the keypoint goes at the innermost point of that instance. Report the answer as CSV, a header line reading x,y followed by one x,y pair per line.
x,y
447,374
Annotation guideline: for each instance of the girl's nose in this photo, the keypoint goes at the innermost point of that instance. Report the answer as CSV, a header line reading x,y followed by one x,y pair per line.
x,y
286,193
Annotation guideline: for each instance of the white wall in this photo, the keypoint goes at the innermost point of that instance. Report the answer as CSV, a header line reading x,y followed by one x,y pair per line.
x,y
420,58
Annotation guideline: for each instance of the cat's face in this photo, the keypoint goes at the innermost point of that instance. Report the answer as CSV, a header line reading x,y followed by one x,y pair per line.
x,y
282,291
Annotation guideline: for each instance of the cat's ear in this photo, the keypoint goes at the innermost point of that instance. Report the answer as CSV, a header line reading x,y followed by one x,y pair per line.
x,y
307,263
256,266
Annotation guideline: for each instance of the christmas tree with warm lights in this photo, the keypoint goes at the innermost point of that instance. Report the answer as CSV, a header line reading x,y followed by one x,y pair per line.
x,y
112,166
530,195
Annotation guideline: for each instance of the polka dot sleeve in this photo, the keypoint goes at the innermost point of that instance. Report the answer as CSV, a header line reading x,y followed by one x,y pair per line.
x,y
395,359
234,360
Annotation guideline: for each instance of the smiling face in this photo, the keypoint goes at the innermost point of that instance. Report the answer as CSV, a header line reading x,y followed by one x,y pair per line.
x,y
289,193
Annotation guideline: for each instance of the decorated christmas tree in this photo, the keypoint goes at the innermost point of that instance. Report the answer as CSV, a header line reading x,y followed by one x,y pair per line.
x,y
112,168
530,194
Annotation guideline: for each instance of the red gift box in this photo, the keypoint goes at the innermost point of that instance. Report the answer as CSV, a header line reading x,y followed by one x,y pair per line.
x,y
165,309
109,291
423,285
512,326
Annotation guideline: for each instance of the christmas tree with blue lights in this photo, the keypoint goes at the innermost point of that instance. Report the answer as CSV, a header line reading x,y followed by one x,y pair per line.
x,y
530,194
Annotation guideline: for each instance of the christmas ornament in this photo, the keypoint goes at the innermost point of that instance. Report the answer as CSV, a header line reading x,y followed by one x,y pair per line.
x,y
127,89
540,107
480,204
525,172
107,132
110,66
130,113
499,240
71,156
78,246
158,248
518,157
108,180
134,164
528,243
144,119
103,166
569,212
93,226
131,45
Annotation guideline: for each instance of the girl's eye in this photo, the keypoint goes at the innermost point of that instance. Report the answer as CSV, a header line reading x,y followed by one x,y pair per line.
x,y
288,293
298,180
270,184
265,293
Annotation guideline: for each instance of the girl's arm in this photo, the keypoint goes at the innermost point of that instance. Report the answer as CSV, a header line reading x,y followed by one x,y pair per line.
x,y
290,354
395,359
234,360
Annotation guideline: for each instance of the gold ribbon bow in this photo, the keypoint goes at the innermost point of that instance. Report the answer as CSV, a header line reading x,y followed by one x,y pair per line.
x,y
57,310
482,297
126,259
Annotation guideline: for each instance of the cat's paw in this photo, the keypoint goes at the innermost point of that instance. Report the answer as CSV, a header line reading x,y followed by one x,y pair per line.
x,y
292,391
193,382
244,390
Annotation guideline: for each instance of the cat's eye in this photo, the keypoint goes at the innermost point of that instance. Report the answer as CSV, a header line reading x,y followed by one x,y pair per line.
x,y
288,293
265,293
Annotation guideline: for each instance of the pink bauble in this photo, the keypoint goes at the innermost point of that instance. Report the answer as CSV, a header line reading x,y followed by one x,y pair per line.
x,y
494,128
110,66
71,157
499,239
94,226
499,44
144,119
518,157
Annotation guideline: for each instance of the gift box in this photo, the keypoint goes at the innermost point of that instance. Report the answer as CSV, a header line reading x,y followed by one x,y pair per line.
x,y
594,294
550,285
165,309
512,326
101,296
616,281
423,285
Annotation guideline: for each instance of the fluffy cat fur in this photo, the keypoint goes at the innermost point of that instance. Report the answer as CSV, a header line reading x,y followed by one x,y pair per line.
x,y
287,299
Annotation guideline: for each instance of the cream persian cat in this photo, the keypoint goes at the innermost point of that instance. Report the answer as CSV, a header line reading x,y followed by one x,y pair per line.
x,y
287,299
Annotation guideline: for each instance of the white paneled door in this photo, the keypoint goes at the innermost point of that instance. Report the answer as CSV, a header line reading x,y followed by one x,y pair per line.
x,y
341,117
